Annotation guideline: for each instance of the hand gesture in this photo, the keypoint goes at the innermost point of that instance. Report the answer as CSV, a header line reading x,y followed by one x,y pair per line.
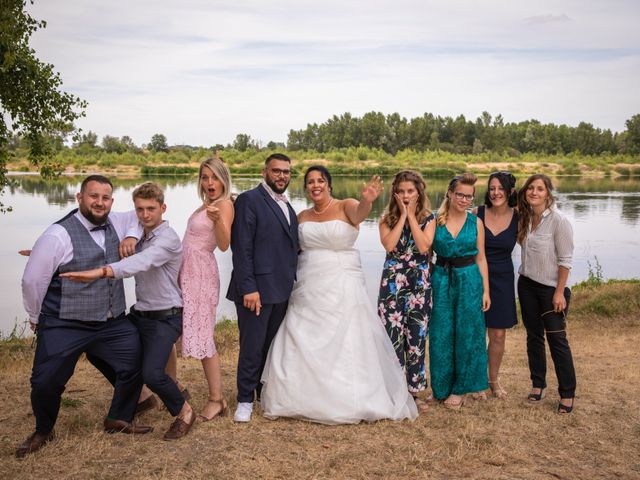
x,y
412,206
127,247
371,190
252,302
24,253
213,213
87,276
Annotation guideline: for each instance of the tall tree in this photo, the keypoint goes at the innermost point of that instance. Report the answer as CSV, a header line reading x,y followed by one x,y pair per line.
x,y
32,103
158,143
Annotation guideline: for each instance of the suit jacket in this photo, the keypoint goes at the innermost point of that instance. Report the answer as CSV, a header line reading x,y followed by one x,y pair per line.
x,y
265,248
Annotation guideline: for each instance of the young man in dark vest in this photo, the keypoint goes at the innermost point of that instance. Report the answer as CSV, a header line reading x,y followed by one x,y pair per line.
x,y
158,310
72,318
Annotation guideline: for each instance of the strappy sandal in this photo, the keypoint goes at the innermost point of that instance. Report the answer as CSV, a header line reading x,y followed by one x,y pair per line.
x,y
562,408
477,396
536,397
423,406
497,390
455,404
224,407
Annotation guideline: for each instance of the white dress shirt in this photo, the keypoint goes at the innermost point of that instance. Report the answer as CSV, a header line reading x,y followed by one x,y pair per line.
x,y
54,248
281,203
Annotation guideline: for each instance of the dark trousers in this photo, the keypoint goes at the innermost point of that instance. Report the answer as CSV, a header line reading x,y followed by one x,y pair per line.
x,y
61,342
538,317
158,337
256,335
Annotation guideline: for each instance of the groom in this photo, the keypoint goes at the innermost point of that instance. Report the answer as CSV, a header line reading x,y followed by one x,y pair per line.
x,y
264,242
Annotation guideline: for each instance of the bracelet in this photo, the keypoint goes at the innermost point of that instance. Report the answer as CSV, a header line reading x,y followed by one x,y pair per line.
x,y
104,272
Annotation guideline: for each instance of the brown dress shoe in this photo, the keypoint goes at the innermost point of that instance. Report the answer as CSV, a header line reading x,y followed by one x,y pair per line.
x,y
34,442
120,426
146,405
179,428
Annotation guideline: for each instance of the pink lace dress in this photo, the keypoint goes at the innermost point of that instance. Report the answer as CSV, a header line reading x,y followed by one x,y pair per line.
x,y
200,283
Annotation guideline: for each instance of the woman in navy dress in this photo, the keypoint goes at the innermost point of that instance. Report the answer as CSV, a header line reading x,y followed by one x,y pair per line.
x,y
501,230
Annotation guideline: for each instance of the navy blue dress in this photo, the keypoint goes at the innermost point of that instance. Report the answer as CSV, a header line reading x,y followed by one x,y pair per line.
x,y
502,313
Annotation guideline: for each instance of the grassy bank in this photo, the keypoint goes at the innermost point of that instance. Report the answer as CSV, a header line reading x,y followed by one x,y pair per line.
x,y
491,439
360,160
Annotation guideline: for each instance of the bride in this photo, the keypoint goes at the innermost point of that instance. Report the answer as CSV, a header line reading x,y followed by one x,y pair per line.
x,y
332,361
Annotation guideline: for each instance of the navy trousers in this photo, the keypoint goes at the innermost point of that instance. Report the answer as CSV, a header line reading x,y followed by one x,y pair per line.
x,y
256,335
158,337
61,342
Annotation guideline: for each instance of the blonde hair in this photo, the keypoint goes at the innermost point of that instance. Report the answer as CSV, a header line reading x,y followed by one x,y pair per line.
x,y
464,179
221,171
149,190
391,214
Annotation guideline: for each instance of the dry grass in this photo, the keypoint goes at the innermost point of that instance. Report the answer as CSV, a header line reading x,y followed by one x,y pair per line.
x,y
492,439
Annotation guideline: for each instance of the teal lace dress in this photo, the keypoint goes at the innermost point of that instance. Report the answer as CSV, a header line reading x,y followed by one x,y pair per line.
x,y
457,345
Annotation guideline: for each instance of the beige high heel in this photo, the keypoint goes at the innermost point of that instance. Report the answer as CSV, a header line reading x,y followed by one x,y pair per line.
x,y
497,390
224,408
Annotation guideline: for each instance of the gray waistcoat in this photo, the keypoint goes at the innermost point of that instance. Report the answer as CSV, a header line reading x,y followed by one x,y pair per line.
x,y
93,301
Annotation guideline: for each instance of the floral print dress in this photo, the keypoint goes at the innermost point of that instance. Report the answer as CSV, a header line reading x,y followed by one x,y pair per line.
x,y
404,305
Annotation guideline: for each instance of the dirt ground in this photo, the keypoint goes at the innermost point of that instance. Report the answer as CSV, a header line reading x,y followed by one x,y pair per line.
x,y
490,439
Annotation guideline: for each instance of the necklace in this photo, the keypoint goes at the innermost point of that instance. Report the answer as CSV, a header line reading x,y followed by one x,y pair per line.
x,y
324,209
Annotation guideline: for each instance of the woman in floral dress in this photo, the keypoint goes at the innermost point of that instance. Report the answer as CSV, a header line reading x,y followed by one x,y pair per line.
x,y
404,302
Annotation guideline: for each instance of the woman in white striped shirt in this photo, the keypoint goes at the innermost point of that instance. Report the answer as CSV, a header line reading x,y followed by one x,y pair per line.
x,y
546,238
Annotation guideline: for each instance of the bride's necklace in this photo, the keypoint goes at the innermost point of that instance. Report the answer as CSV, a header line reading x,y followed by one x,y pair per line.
x,y
324,209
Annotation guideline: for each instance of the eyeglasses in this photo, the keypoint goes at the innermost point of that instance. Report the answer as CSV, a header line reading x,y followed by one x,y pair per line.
x,y
280,172
461,196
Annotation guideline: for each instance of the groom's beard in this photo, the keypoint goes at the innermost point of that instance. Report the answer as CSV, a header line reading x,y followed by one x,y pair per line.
x,y
274,187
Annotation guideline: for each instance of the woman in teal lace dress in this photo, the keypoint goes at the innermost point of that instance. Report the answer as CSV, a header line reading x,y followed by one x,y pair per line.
x,y
404,301
460,289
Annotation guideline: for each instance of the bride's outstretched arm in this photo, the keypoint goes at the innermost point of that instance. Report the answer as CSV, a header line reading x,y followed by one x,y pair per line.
x,y
356,211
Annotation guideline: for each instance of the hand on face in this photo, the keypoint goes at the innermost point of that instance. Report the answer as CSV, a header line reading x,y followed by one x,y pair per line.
x,y
371,190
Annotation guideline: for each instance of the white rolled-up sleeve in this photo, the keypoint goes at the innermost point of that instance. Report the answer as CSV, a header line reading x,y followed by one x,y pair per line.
x,y
563,240
46,256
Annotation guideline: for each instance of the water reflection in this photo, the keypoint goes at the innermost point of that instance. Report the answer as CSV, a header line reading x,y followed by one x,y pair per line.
x,y
605,214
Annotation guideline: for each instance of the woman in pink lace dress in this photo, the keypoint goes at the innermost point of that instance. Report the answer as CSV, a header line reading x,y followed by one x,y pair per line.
x,y
208,227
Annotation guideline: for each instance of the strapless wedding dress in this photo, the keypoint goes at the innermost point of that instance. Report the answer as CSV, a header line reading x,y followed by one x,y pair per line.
x,y
332,361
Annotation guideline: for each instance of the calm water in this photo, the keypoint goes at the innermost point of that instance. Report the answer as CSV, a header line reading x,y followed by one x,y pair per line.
x,y
605,215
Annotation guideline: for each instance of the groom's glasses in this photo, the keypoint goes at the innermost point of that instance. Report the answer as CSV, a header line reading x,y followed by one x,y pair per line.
x,y
277,172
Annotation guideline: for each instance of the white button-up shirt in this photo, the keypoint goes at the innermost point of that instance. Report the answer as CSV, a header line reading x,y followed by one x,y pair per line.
x,y
547,247
54,248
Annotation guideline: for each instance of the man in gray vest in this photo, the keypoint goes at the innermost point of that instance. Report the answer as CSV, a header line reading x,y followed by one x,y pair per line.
x,y
72,318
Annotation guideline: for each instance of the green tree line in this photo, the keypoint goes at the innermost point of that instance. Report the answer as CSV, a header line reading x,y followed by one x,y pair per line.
x,y
393,133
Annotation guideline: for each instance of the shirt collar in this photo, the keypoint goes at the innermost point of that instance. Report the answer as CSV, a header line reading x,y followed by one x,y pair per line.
x,y
156,231
85,222
274,195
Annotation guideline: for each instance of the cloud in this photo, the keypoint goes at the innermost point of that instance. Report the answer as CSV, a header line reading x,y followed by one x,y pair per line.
x,y
548,18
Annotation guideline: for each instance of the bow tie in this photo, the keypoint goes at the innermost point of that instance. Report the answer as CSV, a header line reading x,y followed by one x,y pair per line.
x,y
280,197
101,227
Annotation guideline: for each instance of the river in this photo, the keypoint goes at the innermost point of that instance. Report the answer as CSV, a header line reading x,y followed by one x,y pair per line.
x,y
605,214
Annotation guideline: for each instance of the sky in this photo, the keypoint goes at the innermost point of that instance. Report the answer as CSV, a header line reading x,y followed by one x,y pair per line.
x,y
202,71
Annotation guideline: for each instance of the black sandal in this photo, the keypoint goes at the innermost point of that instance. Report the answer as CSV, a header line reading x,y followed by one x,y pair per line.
x,y
536,397
565,408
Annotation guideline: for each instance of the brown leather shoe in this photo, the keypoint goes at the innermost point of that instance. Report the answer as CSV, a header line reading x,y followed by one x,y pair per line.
x,y
146,405
179,428
34,442
120,426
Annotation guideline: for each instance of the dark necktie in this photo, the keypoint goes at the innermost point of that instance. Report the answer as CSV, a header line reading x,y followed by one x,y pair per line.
x,y
101,227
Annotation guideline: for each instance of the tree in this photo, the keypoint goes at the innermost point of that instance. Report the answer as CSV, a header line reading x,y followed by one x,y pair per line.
x,y
242,142
632,138
32,104
128,144
112,144
158,143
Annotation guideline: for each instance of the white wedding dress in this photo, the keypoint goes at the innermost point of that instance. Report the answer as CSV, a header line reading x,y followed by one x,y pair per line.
x,y
332,361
